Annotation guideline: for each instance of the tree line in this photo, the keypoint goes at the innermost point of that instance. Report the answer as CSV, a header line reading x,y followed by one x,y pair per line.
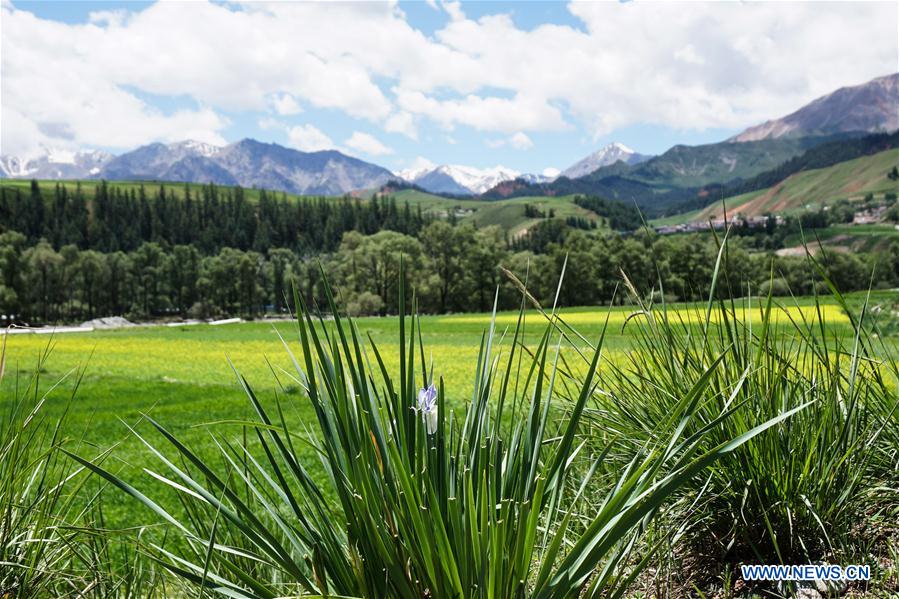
x,y
65,256
453,268
208,217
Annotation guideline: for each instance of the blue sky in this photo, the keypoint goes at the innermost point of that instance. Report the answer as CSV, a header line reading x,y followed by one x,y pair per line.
x,y
527,85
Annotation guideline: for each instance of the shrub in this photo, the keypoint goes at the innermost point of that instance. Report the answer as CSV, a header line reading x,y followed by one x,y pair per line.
x,y
365,304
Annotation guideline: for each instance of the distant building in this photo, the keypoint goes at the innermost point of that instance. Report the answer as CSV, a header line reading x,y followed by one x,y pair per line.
x,y
869,217
718,224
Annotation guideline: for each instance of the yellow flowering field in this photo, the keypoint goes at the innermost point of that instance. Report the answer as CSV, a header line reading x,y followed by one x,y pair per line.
x,y
199,355
831,314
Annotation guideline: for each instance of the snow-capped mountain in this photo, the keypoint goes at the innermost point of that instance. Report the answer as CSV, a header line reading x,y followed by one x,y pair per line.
x,y
458,179
55,164
610,154
248,163
270,166
180,161
411,174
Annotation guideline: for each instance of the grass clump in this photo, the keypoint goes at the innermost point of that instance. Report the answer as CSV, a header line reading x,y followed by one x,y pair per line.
x,y
53,537
40,509
820,487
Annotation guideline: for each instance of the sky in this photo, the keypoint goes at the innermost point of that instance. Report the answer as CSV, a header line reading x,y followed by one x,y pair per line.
x,y
528,85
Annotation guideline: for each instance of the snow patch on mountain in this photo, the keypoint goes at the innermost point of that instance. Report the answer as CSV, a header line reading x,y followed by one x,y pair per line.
x,y
610,154
456,178
537,178
195,148
54,164
13,167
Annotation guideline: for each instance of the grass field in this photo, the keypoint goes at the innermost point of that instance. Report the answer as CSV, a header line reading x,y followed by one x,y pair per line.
x,y
182,376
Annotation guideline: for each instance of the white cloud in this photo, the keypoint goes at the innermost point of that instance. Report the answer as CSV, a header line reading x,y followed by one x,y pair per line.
x,y
688,54
286,105
108,17
454,9
308,138
484,113
401,122
53,96
367,144
421,162
551,172
518,141
638,62
269,123
714,64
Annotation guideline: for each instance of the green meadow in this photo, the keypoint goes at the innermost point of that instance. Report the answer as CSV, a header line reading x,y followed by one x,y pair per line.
x,y
113,387
187,376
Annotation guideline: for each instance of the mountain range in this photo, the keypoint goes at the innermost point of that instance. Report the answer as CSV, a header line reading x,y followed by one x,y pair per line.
x,y
248,163
682,173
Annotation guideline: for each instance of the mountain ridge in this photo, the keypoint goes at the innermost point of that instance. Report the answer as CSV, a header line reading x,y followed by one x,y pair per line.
x,y
606,156
458,179
871,107
248,163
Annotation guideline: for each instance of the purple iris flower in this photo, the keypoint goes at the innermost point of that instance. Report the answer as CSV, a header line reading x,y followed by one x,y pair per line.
x,y
427,407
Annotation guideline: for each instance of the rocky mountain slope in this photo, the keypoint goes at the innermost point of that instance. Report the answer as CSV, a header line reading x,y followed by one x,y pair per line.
x,y
248,163
870,107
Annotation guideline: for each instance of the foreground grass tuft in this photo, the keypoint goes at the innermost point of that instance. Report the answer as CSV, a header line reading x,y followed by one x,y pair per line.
x,y
820,487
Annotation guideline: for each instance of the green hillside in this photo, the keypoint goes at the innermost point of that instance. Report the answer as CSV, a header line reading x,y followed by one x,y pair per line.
x,y
807,190
848,238
508,214
664,183
698,166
